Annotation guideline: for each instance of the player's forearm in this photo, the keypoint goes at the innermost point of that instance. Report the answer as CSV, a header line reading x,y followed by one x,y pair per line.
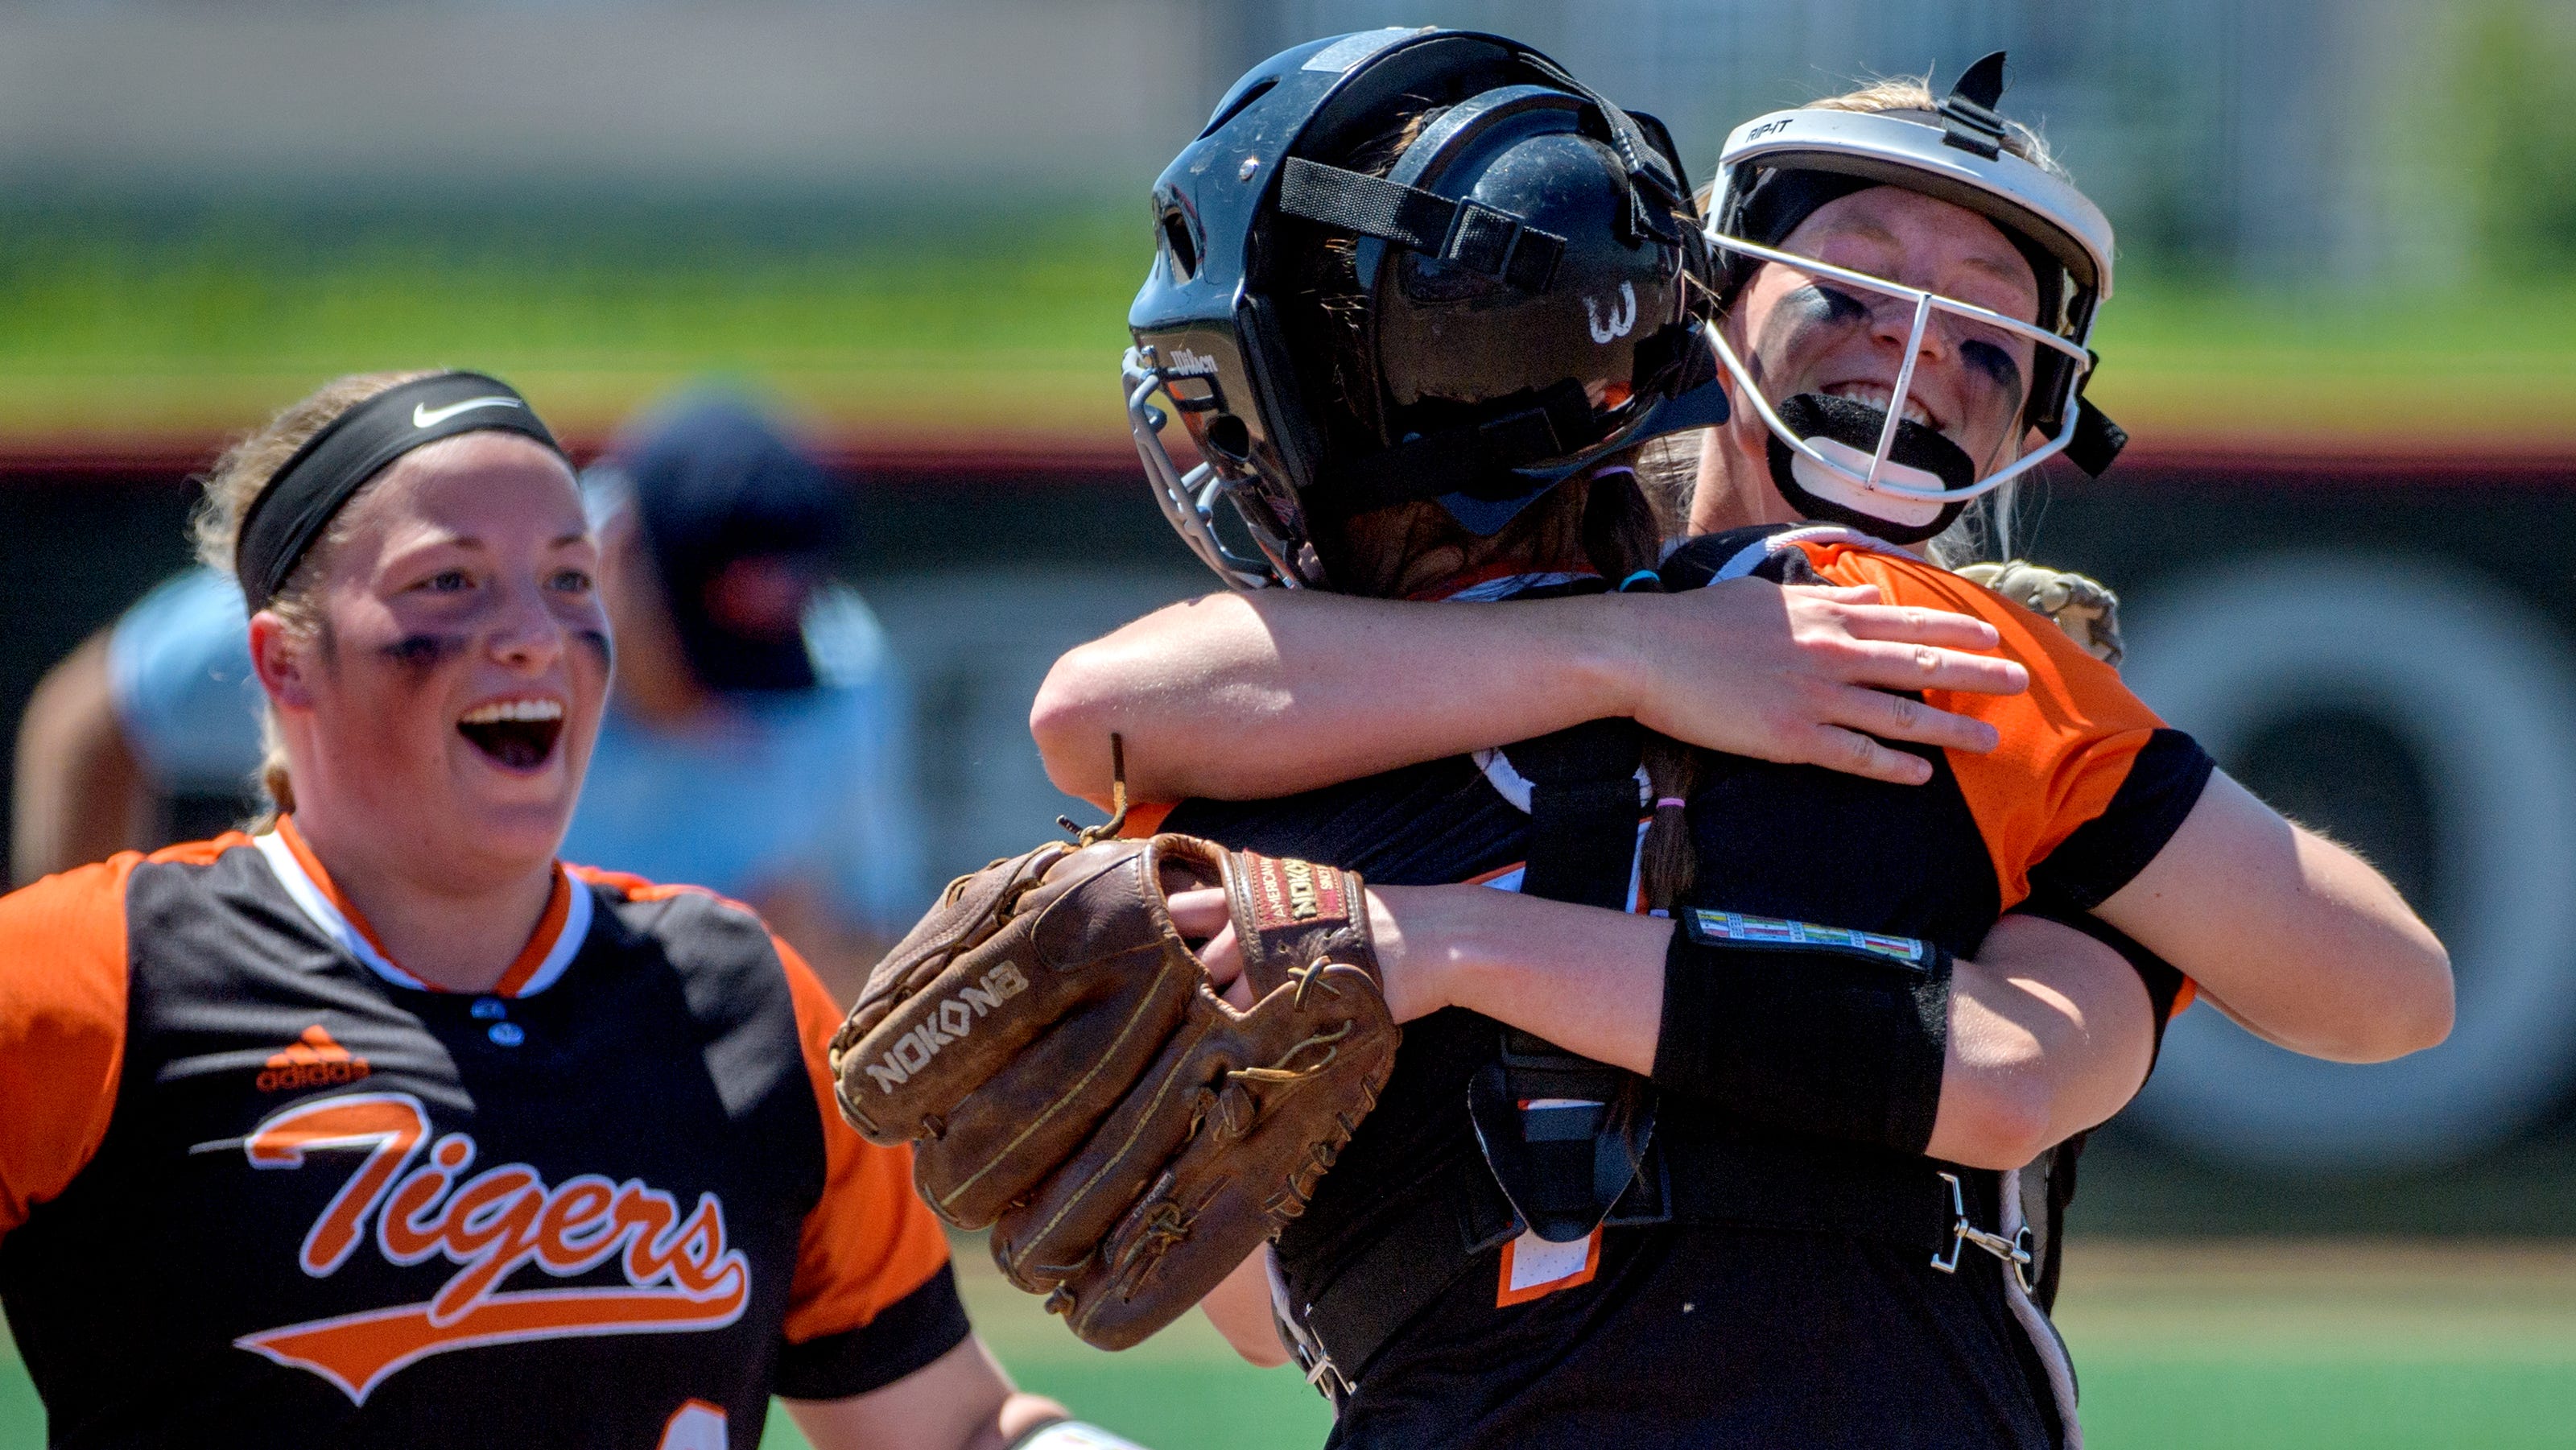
x,y
1588,979
1240,1310
960,1401
81,794
2304,942
1248,696
2049,1035
2045,1039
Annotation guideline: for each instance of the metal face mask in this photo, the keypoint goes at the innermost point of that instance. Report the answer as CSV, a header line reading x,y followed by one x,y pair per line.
x,y
1863,431
1526,274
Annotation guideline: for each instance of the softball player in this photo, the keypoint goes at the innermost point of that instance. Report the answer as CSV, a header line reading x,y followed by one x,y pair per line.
x,y
379,1124
1749,1174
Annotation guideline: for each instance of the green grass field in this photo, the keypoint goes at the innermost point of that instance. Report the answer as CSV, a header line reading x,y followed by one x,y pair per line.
x,y
892,323
2282,1345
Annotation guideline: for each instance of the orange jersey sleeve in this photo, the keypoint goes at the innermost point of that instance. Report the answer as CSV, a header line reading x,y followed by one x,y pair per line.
x,y
62,1028
2067,743
1144,818
870,1241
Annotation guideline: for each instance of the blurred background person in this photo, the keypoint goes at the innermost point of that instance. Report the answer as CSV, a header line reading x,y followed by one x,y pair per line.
x,y
758,739
758,736
146,734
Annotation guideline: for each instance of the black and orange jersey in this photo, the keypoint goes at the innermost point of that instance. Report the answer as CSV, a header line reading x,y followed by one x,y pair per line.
x,y
1675,1335
258,1184
2084,788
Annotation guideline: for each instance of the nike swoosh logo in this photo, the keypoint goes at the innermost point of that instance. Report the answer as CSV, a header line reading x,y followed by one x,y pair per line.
x,y
424,416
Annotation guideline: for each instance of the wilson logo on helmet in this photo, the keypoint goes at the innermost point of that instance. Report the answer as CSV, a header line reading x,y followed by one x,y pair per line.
x,y
947,1022
1623,317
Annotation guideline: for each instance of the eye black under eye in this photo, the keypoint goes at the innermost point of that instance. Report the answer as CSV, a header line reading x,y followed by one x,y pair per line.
x,y
1994,362
1832,304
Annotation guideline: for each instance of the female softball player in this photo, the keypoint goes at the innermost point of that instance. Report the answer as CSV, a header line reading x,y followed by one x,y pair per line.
x,y
379,1125
1748,1169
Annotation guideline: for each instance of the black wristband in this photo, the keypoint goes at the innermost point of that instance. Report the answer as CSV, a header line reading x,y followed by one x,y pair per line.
x,y
1812,1029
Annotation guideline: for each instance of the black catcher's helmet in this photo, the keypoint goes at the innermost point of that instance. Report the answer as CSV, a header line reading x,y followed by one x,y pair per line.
x,y
1529,276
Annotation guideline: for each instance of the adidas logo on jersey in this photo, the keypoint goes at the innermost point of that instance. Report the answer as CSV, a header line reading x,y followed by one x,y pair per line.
x,y
311,1060
946,1023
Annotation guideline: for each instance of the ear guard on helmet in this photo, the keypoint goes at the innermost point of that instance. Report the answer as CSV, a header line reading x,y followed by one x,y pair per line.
x,y
1524,267
1871,470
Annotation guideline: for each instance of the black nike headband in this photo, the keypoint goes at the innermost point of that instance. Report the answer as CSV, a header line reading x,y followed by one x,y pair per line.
x,y
301,499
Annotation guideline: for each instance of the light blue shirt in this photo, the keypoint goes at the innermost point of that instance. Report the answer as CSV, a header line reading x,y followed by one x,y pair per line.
x,y
178,671
770,787
808,785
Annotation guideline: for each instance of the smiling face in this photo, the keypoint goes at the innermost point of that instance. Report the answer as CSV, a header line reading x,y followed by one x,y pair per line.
x,y
1799,333
445,707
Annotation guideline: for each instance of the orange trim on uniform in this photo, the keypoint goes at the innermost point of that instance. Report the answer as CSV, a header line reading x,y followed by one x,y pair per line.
x,y
1144,818
200,853
63,966
2067,743
2189,993
540,943
532,954
323,883
1515,1287
870,1241
637,888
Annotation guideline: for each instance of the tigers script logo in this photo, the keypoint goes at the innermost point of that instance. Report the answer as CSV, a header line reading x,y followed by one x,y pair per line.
x,y
680,1276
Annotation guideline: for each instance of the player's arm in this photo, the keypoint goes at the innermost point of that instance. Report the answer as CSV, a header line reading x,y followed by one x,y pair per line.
x,y
1247,696
2292,935
62,1030
81,794
959,1401
879,1353
2046,1034
1240,1310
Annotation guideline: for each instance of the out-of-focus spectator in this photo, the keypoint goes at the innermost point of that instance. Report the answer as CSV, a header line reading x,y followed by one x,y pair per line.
x,y
146,734
757,742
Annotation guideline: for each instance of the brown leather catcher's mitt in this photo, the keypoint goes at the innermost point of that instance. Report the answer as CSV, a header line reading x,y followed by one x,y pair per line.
x,y
2080,605
1067,1075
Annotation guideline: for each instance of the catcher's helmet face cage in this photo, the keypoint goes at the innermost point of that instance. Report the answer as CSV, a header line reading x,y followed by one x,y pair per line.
x,y
1528,272
1882,446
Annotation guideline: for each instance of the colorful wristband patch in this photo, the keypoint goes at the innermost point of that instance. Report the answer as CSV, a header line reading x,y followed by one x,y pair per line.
x,y
1734,929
